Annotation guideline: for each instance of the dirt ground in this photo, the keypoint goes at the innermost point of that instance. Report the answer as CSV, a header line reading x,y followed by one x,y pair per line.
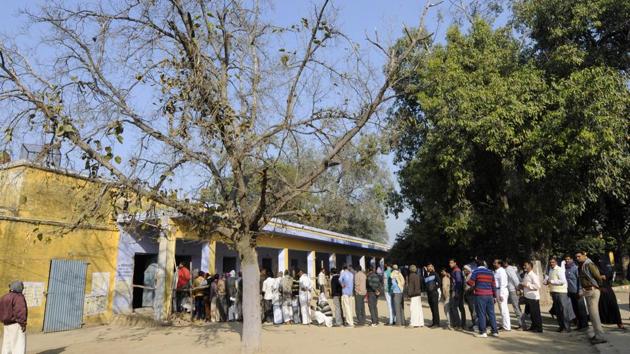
x,y
225,338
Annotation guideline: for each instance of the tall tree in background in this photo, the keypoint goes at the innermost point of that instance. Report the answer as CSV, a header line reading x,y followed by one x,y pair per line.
x,y
159,95
500,154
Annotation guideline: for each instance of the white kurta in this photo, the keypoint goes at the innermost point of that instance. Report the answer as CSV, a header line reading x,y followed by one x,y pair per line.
x,y
277,301
305,298
13,339
417,317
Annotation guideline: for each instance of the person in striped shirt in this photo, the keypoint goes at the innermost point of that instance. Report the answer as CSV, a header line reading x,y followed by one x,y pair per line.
x,y
483,282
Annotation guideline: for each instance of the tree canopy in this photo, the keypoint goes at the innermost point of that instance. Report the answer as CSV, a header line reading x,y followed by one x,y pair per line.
x,y
501,154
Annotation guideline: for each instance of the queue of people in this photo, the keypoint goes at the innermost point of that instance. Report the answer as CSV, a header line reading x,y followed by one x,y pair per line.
x,y
581,292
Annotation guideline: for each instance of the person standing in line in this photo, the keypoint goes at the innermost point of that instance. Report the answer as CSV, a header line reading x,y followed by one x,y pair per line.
x,y
387,289
373,292
573,289
336,293
295,297
14,314
446,297
267,289
276,300
398,286
469,298
590,280
183,284
222,299
431,284
306,287
198,294
503,293
231,284
321,281
414,293
360,291
558,288
531,292
482,279
287,294
239,296
347,296
457,295
608,306
512,284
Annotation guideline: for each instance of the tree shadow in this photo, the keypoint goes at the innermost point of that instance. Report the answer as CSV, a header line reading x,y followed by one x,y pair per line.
x,y
53,351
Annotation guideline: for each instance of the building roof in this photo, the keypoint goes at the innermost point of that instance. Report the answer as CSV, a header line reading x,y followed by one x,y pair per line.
x,y
292,229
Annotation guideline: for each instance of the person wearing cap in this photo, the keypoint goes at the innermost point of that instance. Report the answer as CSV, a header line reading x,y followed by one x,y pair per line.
x,y
13,314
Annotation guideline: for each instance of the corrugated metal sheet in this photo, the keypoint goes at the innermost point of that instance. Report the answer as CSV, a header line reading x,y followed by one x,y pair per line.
x,y
65,297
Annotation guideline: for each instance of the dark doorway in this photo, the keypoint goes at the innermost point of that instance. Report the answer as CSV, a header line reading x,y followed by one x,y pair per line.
x,y
294,264
142,265
267,264
229,264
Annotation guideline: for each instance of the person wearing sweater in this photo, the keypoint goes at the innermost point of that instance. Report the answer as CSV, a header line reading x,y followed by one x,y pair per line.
x,y
482,279
557,283
413,291
446,297
373,292
14,313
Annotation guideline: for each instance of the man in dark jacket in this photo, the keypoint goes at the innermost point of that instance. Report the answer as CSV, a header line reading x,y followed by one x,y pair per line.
x,y
13,314
373,291
431,283
458,314
335,291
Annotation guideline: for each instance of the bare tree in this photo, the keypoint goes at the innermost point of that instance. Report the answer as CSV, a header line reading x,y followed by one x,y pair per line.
x,y
171,97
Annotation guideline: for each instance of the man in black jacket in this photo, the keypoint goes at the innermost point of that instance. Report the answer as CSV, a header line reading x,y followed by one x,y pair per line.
x,y
335,291
373,291
431,284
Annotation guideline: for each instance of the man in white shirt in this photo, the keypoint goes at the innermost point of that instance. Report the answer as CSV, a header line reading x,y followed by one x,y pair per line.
x,y
557,282
267,289
305,297
503,293
531,286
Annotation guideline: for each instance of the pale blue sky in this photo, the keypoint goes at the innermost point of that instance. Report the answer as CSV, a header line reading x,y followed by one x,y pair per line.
x,y
354,17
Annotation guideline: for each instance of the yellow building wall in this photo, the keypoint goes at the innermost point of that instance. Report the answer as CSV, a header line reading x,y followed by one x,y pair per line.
x,y
274,241
37,211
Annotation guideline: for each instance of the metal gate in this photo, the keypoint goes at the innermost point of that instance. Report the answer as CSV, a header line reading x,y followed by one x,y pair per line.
x,y
66,294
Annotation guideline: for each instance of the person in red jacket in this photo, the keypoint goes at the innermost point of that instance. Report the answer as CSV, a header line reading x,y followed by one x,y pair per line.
x,y
13,314
183,282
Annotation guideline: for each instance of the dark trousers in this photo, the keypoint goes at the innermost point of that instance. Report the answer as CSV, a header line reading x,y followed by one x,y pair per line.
x,y
462,311
199,308
268,311
372,305
222,304
359,305
485,308
180,294
470,300
534,312
434,305
398,309
579,308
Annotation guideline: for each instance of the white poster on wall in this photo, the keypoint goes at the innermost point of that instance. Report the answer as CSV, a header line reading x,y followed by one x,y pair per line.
x,y
33,293
100,284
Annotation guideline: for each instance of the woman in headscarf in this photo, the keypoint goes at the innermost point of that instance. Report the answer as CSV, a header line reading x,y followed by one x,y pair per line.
x,y
608,307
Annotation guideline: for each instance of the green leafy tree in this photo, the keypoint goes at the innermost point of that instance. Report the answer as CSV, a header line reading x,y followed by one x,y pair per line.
x,y
498,154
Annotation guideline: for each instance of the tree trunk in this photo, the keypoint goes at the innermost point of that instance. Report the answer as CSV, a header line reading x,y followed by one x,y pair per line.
x,y
250,338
